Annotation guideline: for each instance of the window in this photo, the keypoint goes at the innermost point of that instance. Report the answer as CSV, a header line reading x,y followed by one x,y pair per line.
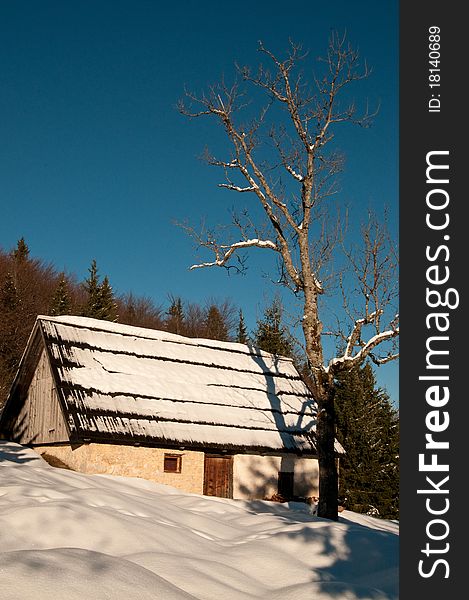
x,y
172,463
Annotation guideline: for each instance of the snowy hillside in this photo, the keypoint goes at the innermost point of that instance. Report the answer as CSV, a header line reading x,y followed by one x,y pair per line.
x,y
69,536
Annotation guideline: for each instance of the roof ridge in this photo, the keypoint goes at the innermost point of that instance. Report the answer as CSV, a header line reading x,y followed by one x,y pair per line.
x,y
157,334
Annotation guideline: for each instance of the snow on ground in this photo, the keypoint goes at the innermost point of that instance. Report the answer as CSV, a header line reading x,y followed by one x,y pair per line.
x,y
69,536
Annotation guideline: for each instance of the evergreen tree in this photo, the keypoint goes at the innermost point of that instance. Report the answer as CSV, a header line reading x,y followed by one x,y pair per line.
x,y
100,303
107,309
61,303
8,294
271,334
21,252
215,326
92,285
175,320
10,344
241,333
368,429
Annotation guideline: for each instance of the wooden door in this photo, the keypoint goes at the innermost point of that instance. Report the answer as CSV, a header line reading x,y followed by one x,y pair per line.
x,y
218,476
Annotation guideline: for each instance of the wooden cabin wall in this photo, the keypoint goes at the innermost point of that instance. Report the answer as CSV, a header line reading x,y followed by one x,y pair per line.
x,y
40,420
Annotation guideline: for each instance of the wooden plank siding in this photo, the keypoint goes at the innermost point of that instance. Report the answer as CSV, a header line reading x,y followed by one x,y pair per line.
x,y
218,476
40,420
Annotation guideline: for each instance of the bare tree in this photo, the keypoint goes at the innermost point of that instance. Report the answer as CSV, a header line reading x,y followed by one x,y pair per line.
x,y
26,288
298,225
139,311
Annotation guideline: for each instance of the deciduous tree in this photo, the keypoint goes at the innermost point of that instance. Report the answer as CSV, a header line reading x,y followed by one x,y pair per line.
x,y
291,137
26,287
139,311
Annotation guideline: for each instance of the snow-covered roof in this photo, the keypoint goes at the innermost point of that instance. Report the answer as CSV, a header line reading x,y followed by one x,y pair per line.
x,y
135,384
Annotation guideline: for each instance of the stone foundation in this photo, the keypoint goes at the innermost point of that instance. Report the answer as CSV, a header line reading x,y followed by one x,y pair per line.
x,y
254,476
132,461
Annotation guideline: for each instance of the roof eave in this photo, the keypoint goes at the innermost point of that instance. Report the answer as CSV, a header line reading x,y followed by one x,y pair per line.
x,y
84,437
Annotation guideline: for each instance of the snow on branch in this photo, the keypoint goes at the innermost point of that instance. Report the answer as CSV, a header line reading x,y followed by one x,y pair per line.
x,y
347,361
237,188
293,173
224,253
354,337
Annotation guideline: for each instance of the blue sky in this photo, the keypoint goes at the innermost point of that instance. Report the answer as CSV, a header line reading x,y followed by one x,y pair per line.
x,y
96,162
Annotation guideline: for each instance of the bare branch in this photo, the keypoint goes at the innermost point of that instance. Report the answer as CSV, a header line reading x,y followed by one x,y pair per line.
x,y
348,362
381,361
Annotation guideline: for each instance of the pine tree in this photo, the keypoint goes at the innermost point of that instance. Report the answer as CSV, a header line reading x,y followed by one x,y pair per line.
x,y
368,429
20,266
107,309
61,303
271,335
241,333
21,252
215,326
8,294
175,320
92,285
100,302
10,345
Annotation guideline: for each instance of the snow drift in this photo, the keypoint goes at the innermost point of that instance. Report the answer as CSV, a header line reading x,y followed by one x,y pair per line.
x,y
68,535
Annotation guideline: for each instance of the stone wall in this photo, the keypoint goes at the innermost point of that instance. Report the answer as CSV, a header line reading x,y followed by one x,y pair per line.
x,y
132,461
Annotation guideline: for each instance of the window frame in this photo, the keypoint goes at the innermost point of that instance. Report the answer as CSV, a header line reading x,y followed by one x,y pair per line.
x,y
171,457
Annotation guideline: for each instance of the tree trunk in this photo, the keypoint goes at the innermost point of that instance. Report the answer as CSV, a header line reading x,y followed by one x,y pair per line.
x,y
325,436
323,388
